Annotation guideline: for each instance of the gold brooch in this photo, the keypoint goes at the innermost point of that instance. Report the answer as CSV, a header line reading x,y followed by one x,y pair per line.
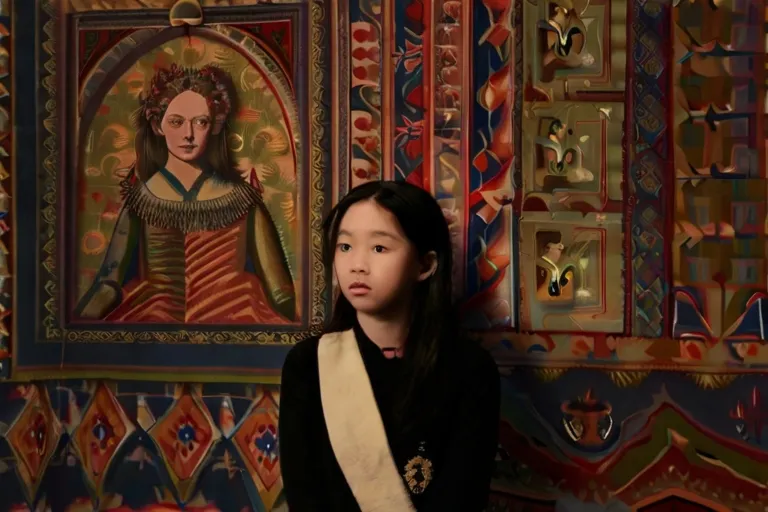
x,y
418,474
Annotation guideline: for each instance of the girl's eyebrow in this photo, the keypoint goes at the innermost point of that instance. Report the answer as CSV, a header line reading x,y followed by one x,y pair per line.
x,y
380,233
385,234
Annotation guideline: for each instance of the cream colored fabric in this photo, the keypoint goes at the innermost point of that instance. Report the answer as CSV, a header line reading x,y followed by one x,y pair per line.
x,y
355,428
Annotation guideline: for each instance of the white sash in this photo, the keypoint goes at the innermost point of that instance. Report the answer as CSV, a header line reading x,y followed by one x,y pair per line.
x,y
355,428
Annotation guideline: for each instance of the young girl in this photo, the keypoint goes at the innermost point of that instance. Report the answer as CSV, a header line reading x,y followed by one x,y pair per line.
x,y
391,410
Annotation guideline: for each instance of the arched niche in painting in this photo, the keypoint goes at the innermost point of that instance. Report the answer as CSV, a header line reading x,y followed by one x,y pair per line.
x,y
261,137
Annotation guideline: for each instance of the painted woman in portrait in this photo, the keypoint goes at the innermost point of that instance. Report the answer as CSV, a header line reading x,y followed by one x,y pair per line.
x,y
194,242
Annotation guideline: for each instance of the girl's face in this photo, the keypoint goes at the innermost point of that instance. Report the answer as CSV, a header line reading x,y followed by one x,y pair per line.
x,y
375,264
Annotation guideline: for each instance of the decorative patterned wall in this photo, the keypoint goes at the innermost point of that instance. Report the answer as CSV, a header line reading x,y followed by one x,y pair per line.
x,y
603,169
6,184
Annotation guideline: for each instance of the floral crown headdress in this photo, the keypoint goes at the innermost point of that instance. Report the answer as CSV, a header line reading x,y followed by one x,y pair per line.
x,y
209,81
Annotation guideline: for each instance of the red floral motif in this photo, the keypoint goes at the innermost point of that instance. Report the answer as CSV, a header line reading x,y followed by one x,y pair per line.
x,y
452,9
366,72
364,122
501,22
364,169
365,135
366,53
368,143
415,98
415,11
497,90
257,441
409,138
363,32
185,436
34,437
411,58
100,434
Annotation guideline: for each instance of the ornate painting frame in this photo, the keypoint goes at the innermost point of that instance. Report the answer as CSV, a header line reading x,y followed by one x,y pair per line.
x,y
49,344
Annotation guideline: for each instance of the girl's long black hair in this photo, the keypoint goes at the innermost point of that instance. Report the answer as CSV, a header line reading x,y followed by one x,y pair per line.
x,y
434,318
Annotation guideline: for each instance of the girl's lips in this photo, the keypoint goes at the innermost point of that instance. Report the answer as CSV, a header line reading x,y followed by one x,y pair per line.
x,y
359,288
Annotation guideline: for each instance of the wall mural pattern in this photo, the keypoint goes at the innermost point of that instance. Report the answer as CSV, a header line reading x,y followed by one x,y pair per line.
x,y
7,136
365,102
491,167
409,101
602,168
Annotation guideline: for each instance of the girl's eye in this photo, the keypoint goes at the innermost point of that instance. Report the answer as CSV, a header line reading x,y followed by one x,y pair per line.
x,y
202,123
175,122
379,248
343,247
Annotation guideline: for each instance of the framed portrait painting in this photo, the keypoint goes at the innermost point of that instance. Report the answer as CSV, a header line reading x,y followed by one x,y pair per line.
x,y
173,226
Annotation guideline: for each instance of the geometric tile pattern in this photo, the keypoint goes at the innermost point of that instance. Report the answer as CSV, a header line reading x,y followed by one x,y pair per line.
x,y
649,171
100,433
185,436
256,441
138,445
33,437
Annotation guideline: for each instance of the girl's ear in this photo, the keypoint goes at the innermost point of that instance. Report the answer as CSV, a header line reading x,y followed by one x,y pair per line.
x,y
428,266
